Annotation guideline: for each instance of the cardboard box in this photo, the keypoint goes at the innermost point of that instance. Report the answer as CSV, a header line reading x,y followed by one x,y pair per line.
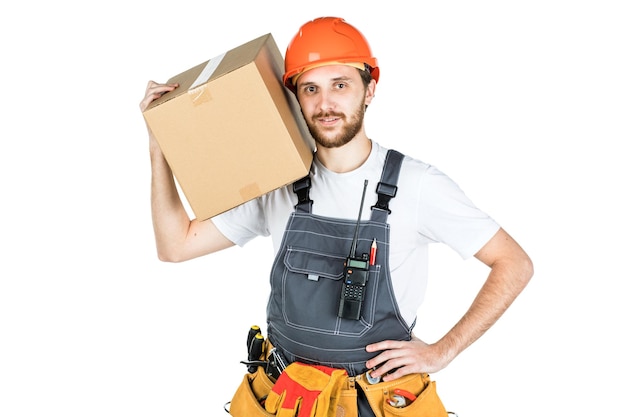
x,y
231,132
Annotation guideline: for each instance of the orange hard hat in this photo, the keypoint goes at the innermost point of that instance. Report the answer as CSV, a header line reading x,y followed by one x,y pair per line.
x,y
327,41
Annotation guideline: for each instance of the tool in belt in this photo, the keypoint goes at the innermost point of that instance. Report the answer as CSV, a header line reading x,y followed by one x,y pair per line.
x,y
308,390
271,360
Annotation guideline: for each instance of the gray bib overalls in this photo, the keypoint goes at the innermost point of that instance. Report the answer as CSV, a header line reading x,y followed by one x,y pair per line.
x,y
307,279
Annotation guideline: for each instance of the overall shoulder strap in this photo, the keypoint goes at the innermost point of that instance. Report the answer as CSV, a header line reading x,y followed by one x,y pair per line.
x,y
387,187
301,188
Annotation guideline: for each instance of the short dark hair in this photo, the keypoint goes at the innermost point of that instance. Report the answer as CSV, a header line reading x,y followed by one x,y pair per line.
x,y
366,75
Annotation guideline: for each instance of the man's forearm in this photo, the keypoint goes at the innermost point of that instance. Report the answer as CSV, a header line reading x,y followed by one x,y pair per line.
x,y
169,217
505,282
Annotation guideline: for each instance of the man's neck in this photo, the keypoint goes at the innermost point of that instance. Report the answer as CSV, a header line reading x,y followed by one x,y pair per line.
x,y
347,157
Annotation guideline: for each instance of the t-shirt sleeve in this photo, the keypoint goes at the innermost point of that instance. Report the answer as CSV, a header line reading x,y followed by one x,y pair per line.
x,y
450,217
243,223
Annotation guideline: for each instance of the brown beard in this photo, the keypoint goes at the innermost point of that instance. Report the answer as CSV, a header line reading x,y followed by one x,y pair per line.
x,y
347,133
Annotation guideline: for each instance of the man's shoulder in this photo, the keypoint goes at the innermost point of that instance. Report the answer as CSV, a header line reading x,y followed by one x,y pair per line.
x,y
408,159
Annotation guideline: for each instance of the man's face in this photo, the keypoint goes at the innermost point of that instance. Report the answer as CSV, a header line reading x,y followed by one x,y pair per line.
x,y
333,100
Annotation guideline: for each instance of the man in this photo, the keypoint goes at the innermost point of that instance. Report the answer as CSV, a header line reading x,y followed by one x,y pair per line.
x,y
311,317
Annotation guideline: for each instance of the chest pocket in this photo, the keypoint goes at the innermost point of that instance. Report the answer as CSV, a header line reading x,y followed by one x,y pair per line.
x,y
310,290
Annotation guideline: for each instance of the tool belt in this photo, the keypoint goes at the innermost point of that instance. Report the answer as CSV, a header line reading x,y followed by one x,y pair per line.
x,y
317,391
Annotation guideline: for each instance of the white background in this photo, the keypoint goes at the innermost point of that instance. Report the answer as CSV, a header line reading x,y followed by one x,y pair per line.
x,y
522,103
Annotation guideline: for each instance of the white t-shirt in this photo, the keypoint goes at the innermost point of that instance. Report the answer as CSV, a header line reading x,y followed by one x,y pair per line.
x,y
429,207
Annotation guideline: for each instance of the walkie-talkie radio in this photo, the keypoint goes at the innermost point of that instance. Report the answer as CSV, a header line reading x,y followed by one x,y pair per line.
x,y
355,275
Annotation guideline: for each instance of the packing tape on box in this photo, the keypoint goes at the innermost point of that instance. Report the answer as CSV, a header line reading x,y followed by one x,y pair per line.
x,y
250,191
198,91
208,70
200,95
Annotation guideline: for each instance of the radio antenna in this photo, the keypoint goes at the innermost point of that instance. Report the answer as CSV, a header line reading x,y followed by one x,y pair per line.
x,y
358,223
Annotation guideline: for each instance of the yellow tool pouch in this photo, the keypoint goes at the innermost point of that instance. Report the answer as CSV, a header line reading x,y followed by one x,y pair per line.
x,y
306,391
251,394
301,390
317,391
339,396
425,404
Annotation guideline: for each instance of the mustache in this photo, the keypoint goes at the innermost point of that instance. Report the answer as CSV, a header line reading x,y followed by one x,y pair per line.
x,y
328,114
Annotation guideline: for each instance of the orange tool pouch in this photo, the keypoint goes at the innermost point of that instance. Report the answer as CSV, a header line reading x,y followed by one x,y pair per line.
x,y
318,391
251,394
305,391
426,402
341,396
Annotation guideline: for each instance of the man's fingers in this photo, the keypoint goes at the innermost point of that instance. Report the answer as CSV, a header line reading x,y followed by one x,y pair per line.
x,y
155,90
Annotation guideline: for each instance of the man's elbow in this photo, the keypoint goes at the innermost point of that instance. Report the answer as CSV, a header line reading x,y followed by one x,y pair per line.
x,y
526,269
169,255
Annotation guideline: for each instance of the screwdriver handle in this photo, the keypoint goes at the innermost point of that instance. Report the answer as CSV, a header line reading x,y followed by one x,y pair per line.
x,y
254,330
255,352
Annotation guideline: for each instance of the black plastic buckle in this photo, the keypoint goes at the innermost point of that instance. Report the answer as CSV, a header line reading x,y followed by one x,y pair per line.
x,y
301,188
386,189
301,184
385,193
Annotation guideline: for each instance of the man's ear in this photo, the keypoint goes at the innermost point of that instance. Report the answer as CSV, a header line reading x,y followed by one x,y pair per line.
x,y
369,93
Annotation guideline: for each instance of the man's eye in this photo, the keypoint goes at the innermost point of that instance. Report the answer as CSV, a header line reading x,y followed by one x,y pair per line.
x,y
310,89
341,85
